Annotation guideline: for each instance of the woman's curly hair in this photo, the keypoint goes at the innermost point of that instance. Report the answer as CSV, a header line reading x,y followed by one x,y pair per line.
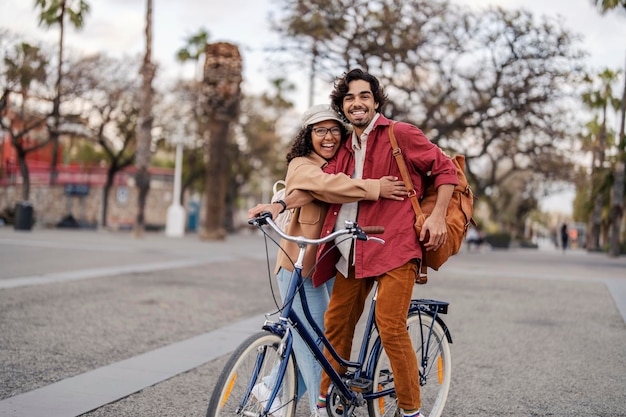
x,y
303,144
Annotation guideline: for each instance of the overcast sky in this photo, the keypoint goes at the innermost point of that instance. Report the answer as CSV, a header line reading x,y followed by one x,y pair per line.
x,y
117,28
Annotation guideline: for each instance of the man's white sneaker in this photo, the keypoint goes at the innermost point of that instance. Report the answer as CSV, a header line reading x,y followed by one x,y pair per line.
x,y
262,393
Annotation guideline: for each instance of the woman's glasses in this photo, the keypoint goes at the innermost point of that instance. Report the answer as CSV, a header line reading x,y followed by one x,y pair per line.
x,y
321,131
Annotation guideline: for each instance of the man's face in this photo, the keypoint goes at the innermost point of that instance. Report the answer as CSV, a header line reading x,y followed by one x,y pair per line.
x,y
358,104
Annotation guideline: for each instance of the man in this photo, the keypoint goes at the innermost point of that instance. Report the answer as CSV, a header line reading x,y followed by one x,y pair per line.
x,y
358,97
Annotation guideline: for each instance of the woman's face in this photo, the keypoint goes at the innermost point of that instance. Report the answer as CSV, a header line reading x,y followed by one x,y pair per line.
x,y
326,138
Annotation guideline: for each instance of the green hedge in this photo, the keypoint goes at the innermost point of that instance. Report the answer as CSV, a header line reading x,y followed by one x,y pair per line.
x,y
499,240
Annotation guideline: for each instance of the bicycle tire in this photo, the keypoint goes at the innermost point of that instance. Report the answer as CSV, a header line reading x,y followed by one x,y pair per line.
x,y
437,374
253,362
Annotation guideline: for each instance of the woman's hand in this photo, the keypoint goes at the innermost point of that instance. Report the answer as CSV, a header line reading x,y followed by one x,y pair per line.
x,y
392,189
275,209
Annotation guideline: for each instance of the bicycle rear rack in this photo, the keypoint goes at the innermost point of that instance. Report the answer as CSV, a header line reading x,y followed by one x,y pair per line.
x,y
434,306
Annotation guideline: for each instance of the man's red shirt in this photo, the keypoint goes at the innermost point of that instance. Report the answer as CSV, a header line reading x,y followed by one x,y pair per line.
x,y
397,217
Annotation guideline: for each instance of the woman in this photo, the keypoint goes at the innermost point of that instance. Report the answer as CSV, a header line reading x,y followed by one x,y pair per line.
x,y
317,142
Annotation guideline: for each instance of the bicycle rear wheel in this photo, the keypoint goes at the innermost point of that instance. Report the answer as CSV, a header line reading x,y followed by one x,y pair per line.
x,y
435,370
248,378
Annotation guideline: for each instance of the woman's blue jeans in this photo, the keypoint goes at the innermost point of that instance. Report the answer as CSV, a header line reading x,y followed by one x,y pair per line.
x,y
309,370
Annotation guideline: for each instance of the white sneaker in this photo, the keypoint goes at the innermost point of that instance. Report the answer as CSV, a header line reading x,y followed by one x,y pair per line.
x,y
262,393
320,412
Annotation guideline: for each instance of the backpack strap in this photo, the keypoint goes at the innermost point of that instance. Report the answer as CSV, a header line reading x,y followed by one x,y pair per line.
x,y
397,153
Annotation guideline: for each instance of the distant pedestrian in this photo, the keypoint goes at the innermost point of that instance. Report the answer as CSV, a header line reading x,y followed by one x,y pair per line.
x,y
474,237
564,237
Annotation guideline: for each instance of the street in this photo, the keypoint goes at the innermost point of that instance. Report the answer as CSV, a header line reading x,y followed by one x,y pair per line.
x,y
97,323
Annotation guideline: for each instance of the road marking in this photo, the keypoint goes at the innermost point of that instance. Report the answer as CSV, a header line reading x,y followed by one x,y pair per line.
x,y
96,273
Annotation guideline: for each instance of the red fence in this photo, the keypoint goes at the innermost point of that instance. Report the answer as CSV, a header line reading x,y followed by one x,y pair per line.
x,y
39,173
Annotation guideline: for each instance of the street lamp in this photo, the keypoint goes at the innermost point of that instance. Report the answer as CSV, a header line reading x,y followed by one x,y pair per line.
x,y
175,226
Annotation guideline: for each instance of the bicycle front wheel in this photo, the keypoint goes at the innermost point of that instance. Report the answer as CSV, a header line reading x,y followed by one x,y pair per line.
x,y
246,382
434,364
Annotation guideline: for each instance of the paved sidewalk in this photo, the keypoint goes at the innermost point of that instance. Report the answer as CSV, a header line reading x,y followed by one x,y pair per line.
x,y
100,323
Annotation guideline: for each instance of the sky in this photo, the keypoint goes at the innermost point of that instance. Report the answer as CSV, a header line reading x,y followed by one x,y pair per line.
x,y
116,27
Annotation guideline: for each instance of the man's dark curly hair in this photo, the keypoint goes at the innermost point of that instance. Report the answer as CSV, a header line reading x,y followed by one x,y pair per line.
x,y
303,144
342,87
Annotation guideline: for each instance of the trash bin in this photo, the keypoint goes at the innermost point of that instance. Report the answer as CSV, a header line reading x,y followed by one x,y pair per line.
x,y
23,215
192,219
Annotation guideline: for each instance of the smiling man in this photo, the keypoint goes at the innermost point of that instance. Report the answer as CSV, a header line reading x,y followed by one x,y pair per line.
x,y
359,98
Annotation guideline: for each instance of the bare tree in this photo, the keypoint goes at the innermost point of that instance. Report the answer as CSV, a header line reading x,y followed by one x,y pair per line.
x,y
494,84
107,93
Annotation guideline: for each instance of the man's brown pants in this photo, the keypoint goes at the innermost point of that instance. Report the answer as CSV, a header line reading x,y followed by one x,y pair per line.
x,y
347,301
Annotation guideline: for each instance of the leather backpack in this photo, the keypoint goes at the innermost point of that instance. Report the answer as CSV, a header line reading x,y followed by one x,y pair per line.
x,y
458,215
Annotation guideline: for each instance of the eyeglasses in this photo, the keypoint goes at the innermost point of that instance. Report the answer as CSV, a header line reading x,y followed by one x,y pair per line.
x,y
321,131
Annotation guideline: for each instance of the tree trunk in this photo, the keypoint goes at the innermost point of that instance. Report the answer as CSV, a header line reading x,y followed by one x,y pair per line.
x,y
105,196
595,219
144,128
56,104
21,159
222,95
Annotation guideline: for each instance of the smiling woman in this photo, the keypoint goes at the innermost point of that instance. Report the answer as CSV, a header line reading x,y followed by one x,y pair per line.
x,y
320,137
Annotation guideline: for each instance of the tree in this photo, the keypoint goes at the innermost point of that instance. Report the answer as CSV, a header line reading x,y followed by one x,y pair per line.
x,y
187,111
144,127
194,49
255,152
108,93
617,207
599,99
606,5
494,85
24,68
55,12
221,97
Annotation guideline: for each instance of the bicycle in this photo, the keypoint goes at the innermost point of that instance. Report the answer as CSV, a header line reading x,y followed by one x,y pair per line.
x,y
366,390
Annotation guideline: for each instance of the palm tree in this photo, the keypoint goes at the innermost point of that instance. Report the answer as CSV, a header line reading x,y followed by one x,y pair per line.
x,y
194,49
617,207
54,12
600,100
606,5
25,66
221,106
144,127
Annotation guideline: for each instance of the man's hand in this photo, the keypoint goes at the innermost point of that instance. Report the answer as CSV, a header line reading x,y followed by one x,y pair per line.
x,y
435,229
392,189
435,225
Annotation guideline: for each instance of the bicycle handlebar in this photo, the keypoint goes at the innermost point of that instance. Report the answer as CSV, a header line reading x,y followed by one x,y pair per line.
x,y
351,228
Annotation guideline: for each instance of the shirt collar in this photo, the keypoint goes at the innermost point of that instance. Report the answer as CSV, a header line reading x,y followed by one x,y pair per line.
x,y
366,132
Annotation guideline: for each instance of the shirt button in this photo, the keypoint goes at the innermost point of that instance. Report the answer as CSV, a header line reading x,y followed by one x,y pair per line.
x,y
334,213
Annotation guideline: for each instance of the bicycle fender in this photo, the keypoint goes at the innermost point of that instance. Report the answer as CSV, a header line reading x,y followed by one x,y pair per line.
x,y
444,327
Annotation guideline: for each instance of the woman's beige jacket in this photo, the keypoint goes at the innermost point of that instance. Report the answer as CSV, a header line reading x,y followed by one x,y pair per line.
x,y
305,173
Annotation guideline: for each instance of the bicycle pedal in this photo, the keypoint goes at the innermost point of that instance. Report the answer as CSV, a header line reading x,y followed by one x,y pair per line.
x,y
360,384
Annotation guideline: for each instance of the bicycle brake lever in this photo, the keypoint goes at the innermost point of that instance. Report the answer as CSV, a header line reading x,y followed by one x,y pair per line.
x,y
261,219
